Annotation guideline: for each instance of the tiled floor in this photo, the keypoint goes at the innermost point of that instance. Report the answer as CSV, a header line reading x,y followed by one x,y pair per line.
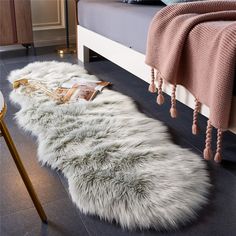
x,y
17,214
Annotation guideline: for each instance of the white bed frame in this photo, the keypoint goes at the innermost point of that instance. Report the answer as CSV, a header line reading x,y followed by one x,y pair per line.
x,y
133,62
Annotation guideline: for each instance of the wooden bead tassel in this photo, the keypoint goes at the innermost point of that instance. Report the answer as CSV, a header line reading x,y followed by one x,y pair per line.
x,y
195,128
152,87
173,111
207,151
218,156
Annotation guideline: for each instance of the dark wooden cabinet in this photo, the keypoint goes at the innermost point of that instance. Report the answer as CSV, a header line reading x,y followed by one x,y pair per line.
x,y
15,22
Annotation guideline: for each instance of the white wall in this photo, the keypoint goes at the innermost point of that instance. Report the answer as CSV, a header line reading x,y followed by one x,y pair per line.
x,y
49,22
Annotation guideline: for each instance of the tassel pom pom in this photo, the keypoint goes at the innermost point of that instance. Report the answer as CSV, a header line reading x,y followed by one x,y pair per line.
x,y
218,157
152,88
195,129
160,99
207,154
173,112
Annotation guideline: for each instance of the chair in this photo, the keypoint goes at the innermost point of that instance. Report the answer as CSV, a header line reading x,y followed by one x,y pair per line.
x,y
6,135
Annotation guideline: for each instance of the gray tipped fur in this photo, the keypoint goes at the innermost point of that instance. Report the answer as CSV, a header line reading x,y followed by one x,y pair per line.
x,y
120,165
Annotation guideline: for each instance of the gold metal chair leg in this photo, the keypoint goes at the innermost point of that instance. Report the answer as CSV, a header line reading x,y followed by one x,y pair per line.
x,y
22,171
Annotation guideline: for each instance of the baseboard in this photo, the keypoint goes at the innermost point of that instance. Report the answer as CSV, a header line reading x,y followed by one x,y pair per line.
x,y
55,41
41,43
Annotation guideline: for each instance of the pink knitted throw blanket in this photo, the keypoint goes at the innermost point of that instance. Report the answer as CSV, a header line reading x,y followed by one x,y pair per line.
x,y
194,44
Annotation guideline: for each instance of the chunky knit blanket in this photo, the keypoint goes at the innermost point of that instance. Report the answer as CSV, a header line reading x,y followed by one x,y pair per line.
x,y
194,44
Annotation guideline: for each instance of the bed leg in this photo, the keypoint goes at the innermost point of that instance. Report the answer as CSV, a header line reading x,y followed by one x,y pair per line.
x,y
83,54
82,50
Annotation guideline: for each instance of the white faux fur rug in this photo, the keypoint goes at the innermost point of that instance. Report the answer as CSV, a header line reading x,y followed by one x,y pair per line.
x,y
120,165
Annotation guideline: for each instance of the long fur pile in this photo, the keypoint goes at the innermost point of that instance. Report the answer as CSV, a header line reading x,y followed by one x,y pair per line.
x,y
120,165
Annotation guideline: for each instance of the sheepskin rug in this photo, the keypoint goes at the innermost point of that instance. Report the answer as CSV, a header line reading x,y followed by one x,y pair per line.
x,y
120,164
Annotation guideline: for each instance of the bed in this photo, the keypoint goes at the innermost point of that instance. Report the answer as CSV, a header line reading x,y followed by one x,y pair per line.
x,y
118,32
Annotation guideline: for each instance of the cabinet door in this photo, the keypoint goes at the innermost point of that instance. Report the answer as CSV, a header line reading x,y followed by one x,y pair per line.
x,y
8,34
23,21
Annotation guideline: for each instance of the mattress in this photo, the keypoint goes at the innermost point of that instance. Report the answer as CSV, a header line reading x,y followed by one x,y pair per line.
x,y
124,23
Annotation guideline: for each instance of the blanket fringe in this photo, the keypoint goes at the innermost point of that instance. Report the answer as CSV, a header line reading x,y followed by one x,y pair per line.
x,y
152,87
160,98
218,155
195,128
173,110
208,151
